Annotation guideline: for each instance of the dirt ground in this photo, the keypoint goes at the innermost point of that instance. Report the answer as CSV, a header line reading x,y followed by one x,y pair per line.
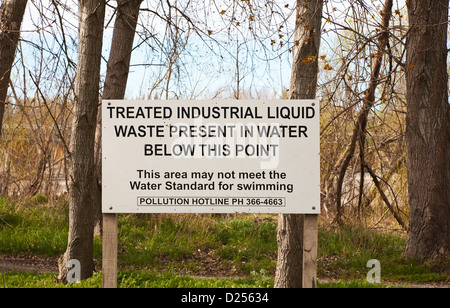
x,y
28,264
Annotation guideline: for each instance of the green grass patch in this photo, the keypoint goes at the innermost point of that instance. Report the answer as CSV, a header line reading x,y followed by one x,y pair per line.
x,y
33,228
169,249
133,279
353,285
344,253
239,241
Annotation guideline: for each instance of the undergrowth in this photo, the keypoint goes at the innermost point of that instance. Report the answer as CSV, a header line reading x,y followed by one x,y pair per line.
x,y
205,250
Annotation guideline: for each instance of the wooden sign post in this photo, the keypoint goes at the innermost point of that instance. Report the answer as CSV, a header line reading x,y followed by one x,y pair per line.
x,y
109,250
310,245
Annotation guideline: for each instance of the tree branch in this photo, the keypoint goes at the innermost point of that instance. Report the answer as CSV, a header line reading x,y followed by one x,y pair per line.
x,y
51,114
384,197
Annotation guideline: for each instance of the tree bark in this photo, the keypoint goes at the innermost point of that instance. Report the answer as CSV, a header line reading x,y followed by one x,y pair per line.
x,y
115,82
11,16
427,130
81,158
303,86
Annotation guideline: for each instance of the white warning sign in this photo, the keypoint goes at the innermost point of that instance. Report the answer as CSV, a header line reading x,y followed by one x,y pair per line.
x,y
211,156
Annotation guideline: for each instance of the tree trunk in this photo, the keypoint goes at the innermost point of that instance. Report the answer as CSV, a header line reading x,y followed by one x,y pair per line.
x,y
115,82
427,130
289,269
11,15
81,157
303,86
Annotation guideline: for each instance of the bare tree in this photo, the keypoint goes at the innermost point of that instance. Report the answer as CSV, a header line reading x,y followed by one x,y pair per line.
x,y
11,15
303,86
81,158
428,130
127,13
359,131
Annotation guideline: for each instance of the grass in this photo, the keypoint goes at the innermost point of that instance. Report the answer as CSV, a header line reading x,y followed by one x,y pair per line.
x,y
133,279
345,252
156,241
162,250
34,228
